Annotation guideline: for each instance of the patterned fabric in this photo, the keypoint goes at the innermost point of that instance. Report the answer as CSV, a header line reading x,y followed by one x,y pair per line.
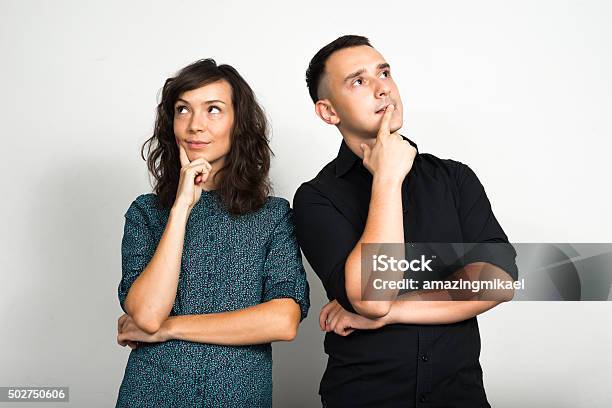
x,y
228,263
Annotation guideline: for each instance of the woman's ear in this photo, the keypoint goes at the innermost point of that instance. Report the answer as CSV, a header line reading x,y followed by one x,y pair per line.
x,y
325,110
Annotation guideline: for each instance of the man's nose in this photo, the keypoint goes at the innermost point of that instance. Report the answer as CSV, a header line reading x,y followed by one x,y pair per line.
x,y
383,89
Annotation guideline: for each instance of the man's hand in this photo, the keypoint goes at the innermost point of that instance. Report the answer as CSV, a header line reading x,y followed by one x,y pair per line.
x,y
391,157
129,334
334,317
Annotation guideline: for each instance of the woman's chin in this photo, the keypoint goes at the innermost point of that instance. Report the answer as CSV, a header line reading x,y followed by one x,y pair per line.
x,y
194,155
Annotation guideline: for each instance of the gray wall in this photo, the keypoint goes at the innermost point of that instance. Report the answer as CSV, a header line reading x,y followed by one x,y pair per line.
x,y
520,91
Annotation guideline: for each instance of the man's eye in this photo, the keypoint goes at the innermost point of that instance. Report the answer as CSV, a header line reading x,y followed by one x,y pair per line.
x,y
181,109
386,74
214,109
358,82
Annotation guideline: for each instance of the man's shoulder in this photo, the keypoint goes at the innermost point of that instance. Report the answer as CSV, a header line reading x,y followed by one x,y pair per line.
x,y
430,163
317,184
326,184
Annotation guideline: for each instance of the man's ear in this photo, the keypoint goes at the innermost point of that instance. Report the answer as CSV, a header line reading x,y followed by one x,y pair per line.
x,y
325,110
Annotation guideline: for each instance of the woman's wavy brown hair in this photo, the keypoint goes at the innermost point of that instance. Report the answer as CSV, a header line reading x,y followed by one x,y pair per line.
x,y
242,183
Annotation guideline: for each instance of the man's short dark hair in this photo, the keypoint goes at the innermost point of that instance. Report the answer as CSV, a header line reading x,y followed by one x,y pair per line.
x,y
316,68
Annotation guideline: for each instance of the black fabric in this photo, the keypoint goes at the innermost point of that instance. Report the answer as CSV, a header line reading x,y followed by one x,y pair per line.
x,y
401,365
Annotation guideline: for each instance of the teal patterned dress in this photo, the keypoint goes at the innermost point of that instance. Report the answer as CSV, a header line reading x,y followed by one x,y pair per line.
x,y
228,263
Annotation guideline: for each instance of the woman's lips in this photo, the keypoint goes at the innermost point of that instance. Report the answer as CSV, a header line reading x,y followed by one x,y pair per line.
x,y
198,145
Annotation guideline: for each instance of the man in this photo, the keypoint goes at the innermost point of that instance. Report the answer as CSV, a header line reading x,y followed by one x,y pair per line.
x,y
380,189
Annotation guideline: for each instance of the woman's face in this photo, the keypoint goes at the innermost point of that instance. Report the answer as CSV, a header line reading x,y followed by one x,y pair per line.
x,y
203,120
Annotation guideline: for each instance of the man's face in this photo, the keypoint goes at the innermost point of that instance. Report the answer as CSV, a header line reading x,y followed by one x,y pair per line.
x,y
358,85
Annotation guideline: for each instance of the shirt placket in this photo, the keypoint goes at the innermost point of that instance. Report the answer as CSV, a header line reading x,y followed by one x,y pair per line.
x,y
424,368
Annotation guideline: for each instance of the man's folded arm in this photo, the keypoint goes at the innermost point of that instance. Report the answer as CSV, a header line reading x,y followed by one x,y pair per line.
x,y
326,237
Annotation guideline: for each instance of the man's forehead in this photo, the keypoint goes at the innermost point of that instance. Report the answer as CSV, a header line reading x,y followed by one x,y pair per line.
x,y
348,60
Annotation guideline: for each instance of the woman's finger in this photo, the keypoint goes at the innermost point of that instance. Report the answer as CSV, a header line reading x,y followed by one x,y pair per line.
x,y
183,155
200,164
195,169
194,165
120,322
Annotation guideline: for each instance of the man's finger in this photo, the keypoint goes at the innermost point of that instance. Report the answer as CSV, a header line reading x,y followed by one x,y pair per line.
x,y
323,315
366,151
386,120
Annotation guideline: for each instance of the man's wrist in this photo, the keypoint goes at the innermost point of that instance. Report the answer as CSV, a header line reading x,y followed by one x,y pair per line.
x,y
388,318
387,181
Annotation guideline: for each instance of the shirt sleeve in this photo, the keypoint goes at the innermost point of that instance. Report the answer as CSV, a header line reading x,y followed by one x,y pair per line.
x,y
327,239
284,272
479,225
137,246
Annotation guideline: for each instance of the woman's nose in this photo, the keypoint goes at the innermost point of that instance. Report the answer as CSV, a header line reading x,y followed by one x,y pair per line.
x,y
197,124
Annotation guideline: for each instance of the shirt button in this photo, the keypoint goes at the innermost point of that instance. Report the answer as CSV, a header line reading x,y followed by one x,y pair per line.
x,y
423,398
424,358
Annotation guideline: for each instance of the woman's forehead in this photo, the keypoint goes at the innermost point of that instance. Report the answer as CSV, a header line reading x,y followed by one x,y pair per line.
x,y
215,91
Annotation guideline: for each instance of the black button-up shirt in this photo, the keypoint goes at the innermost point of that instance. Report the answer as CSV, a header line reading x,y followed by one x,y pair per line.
x,y
399,365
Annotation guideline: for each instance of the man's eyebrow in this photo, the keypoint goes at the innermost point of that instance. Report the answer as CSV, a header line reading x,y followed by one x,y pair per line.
x,y
355,74
205,102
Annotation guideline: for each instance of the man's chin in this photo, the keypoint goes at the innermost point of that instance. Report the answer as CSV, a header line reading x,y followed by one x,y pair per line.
x,y
395,128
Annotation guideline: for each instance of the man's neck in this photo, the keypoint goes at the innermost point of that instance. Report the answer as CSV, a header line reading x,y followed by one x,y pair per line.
x,y
354,142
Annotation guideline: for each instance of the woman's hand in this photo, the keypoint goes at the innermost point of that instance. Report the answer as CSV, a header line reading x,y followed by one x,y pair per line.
x,y
129,334
193,175
334,317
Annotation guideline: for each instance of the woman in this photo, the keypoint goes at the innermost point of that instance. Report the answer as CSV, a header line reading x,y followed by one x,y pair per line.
x,y
212,273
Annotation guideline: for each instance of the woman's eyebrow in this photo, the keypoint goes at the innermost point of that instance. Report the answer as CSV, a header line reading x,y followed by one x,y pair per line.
x,y
203,103
214,101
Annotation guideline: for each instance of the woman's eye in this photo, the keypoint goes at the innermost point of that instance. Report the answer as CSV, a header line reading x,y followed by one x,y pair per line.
x,y
181,109
214,109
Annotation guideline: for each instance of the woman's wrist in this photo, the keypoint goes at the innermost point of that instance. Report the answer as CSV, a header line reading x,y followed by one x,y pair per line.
x,y
180,211
166,330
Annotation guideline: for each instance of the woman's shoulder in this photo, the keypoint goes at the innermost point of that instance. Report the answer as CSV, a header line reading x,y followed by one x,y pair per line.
x,y
145,208
278,205
275,209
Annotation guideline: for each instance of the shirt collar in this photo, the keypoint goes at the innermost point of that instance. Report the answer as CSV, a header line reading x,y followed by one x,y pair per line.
x,y
346,159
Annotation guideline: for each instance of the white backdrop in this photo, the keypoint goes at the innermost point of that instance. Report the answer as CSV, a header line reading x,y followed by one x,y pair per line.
x,y
519,90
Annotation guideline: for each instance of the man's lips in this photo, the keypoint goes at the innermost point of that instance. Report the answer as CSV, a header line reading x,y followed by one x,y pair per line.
x,y
383,108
